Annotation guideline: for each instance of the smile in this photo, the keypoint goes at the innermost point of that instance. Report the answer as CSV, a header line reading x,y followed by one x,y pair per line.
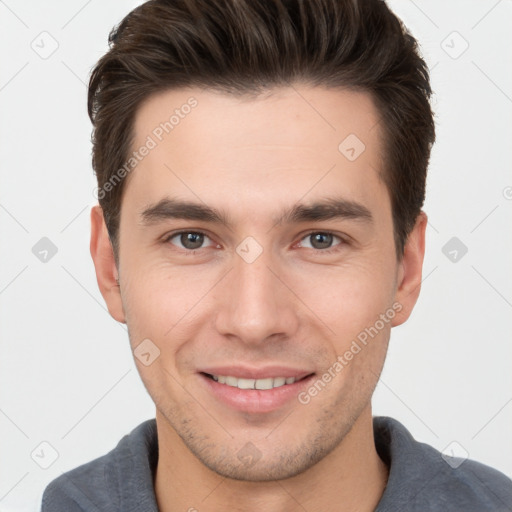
x,y
262,384
257,396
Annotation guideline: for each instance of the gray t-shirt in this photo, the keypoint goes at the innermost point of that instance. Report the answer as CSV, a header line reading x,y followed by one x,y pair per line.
x,y
421,479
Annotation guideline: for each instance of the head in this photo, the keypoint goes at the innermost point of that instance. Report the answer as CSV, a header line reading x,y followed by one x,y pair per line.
x,y
290,142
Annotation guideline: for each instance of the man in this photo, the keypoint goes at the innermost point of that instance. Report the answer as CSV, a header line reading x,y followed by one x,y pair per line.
x,y
261,170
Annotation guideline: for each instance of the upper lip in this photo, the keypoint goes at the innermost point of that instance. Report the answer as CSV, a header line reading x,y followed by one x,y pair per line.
x,y
246,372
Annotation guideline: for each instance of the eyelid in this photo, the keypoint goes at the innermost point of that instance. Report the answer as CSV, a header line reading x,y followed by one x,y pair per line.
x,y
343,239
169,236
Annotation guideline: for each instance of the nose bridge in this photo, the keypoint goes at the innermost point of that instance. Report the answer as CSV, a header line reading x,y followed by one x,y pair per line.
x,y
255,306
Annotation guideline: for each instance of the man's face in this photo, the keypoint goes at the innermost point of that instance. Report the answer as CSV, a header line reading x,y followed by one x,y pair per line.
x,y
265,296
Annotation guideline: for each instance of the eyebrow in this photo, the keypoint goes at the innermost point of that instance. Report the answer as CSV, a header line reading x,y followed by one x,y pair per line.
x,y
325,209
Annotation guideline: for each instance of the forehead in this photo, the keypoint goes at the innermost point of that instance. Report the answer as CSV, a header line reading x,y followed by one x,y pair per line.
x,y
292,140
328,114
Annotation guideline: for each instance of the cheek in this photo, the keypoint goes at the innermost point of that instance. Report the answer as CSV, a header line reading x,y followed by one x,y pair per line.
x,y
347,299
161,301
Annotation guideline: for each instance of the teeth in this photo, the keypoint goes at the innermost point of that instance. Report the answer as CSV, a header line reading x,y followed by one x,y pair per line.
x,y
279,381
232,381
267,383
246,383
264,383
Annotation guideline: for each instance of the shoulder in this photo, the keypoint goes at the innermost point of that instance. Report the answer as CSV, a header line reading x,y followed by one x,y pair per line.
x,y
104,483
423,478
83,488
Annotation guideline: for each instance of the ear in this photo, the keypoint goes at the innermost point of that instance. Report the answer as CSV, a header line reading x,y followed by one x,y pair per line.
x,y
104,263
410,270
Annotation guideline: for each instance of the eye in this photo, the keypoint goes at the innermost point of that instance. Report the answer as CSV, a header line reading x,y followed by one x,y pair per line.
x,y
189,240
321,240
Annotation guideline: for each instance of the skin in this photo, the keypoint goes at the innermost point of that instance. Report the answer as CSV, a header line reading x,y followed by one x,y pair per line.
x,y
294,305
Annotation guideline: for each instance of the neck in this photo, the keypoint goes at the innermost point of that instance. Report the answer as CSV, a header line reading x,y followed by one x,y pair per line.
x,y
351,477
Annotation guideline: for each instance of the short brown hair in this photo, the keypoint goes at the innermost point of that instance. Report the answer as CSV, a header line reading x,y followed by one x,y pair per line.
x,y
245,47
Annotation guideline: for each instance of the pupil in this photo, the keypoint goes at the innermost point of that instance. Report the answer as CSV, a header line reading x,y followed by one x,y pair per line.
x,y
192,240
324,239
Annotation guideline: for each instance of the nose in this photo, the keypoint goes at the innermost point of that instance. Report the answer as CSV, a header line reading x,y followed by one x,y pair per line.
x,y
256,303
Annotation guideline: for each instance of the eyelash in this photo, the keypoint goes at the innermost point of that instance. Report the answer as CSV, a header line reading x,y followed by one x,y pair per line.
x,y
331,250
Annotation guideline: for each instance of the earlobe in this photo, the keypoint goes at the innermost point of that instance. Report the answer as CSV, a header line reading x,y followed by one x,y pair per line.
x,y
105,265
410,270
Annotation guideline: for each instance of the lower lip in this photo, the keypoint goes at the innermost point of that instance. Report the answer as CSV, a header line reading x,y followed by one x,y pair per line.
x,y
255,400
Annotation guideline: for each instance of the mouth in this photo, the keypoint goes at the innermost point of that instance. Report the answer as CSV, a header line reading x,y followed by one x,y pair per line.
x,y
260,384
249,394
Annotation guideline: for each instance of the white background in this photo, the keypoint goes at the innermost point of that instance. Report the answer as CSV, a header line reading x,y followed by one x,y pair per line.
x,y
66,373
